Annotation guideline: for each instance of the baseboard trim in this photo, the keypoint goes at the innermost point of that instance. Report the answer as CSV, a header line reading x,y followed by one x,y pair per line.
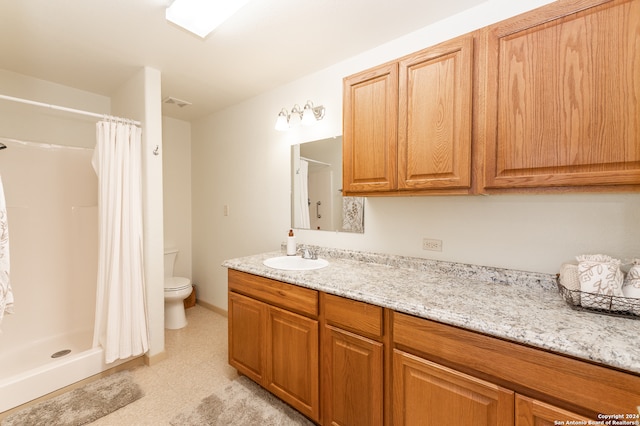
x,y
150,360
213,308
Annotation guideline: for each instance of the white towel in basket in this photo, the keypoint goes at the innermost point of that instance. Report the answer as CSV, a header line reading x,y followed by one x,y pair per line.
x,y
601,276
569,280
631,285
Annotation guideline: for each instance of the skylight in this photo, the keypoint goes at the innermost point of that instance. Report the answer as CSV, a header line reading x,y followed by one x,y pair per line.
x,y
202,16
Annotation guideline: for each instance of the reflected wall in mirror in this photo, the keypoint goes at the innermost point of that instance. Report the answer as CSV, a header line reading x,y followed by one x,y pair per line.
x,y
316,189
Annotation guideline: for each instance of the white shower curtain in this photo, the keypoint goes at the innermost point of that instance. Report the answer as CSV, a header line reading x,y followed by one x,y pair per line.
x,y
6,295
301,197
121,317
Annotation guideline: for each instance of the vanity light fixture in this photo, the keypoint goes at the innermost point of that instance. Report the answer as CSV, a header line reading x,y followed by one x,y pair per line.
x,y
295,118
306,116
202,16
282,122
311,114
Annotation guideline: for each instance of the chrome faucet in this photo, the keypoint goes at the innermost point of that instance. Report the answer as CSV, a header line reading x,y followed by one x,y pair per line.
x,y
308,253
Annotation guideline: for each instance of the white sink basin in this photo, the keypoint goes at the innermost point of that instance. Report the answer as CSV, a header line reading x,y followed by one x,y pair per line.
x,y
295,263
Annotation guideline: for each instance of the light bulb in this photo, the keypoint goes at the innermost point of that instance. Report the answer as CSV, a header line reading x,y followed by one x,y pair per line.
x,y
282,123
308,118
296,116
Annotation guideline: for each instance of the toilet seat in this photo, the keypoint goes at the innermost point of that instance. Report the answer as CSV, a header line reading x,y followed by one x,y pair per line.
x,y
176,283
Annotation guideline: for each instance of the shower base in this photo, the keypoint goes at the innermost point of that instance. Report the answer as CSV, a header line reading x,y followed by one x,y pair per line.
x,y
28,373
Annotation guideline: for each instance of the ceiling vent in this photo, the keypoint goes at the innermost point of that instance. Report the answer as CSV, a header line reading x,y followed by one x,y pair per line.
x,y
175,101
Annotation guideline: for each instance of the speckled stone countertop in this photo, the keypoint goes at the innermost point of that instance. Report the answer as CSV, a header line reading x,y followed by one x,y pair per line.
x,y
519,306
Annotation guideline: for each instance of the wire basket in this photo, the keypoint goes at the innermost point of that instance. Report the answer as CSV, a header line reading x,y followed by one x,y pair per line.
x,y
627,307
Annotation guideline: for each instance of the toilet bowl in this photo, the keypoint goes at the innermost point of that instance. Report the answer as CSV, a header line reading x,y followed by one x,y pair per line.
x,y
176,289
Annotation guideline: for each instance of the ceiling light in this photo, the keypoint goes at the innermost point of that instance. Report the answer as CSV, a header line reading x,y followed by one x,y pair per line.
x,y
306,116
202,16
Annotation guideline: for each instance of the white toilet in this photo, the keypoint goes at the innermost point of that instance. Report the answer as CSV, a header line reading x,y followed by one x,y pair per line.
x,y
176,289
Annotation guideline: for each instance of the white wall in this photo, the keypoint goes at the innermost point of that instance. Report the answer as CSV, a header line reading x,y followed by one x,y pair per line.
x,y
238,164
176,172
37,124
241,161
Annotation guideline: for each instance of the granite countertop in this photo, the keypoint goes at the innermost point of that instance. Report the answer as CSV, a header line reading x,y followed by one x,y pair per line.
x,y
519,306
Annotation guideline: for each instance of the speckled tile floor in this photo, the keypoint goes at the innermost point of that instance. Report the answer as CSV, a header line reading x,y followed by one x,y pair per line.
x,y
196,366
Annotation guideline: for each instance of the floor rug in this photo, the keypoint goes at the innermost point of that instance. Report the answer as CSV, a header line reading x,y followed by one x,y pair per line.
x,y
81,406
242,403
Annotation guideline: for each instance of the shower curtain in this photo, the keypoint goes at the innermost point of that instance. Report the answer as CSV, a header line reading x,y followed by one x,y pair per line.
x,y
121,317
6,295
301,196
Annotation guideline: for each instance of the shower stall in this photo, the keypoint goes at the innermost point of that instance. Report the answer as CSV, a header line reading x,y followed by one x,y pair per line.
x,y
51,194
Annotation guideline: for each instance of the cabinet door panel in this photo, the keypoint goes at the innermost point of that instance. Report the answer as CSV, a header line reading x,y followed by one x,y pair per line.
x,y
292,351
353,379
370,130
247,331
531,412
566,92
429,394
435,109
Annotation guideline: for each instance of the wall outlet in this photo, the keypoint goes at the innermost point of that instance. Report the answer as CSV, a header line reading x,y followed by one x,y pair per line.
x,y
431,244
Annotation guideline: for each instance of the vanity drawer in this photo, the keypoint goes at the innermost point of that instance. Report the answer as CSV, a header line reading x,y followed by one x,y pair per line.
x,y
298,299
352,315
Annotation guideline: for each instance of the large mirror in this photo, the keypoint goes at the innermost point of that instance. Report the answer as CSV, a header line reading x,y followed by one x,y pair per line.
x,y
316,189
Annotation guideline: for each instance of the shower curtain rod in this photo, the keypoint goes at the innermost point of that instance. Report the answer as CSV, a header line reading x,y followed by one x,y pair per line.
x,y
59,108
315,161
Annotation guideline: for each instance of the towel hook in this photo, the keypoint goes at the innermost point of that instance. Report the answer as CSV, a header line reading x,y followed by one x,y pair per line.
x,y
156,150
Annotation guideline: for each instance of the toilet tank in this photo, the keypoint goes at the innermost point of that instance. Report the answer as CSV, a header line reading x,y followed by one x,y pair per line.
x,y
169,261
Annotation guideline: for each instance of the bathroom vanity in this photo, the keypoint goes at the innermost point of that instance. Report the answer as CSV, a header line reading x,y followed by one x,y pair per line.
x,y
375,339
273,338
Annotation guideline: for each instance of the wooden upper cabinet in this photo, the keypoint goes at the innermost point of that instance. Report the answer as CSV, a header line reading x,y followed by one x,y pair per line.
x,y
408,124
563,97
434,116
370,130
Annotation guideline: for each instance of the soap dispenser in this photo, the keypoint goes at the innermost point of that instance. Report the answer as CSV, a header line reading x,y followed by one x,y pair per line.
x,y
291,244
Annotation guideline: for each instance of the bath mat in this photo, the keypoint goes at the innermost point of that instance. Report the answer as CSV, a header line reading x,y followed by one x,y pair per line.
x,y
81,406
242,403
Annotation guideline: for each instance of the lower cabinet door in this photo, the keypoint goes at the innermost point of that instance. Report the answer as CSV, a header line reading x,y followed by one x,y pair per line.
x,y
425,393
292,354
531,412
247,336
353,379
